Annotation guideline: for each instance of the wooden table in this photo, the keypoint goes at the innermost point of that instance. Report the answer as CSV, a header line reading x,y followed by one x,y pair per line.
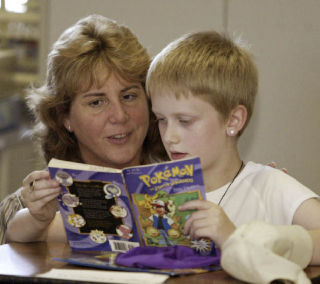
x,y
26,260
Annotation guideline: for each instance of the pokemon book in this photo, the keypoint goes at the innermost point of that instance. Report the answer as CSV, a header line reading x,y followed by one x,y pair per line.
x,y
107,261
105,209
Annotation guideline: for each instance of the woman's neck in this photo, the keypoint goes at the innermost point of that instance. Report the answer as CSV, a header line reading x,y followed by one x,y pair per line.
x,y
221,174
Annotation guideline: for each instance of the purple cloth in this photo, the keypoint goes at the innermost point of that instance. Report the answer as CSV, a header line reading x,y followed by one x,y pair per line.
x,y
166,258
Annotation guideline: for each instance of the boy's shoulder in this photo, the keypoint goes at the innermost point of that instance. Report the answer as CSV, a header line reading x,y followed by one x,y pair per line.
x,y
259,173
264,177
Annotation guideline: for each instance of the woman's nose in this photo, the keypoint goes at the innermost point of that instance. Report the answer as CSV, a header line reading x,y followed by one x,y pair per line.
x,y
118,113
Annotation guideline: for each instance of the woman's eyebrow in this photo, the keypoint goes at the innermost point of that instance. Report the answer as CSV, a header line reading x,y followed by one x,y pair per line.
x,y
100,94
130,87
93,94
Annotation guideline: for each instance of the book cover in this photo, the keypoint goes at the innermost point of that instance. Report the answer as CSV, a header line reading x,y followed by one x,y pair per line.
x,y
156,192
106,209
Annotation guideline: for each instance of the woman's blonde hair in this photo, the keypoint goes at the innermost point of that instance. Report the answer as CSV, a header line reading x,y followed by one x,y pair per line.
x,y
95,45
206,64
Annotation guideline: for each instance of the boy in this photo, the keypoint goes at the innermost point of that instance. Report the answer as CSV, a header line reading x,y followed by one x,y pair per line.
x,y
203,87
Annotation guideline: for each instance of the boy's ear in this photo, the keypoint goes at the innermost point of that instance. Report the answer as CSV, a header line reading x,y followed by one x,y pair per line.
x,y
237,120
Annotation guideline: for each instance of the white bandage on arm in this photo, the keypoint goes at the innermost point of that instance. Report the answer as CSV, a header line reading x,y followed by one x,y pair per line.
x,y
260,253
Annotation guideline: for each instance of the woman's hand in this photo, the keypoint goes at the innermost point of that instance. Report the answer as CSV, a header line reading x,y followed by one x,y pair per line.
x,y
274,165
39,195
208,221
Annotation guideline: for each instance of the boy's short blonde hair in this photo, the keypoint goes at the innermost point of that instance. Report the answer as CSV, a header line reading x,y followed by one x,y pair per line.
x,y
206,64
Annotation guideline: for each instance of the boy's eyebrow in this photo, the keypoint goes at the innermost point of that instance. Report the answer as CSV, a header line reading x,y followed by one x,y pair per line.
x,y
175,113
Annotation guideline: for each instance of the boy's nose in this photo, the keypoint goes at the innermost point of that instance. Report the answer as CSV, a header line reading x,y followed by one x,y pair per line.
x,y
171,136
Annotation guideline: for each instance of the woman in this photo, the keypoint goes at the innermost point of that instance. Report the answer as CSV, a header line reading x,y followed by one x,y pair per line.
x,y
91,109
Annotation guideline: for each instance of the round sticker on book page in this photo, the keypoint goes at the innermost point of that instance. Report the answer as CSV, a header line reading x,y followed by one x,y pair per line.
x,y
98,236
76,220
112,189
124,231
70,200
118,211
64,178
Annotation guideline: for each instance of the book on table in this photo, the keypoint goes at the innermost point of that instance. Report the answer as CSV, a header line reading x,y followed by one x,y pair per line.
x,y
111,210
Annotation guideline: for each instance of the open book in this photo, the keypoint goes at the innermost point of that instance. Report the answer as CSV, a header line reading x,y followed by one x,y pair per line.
x,y
105,209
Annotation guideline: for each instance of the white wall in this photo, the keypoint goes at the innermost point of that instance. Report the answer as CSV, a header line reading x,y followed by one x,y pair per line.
x,y
285,40
155,22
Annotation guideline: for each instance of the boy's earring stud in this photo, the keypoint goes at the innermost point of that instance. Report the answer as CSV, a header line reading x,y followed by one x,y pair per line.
x,y
231,132
69,128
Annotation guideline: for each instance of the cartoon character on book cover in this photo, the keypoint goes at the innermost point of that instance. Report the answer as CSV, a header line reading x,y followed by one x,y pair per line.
x,y
162,223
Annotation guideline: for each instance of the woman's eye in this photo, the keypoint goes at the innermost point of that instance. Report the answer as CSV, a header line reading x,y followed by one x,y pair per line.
x,y
96,103
129,97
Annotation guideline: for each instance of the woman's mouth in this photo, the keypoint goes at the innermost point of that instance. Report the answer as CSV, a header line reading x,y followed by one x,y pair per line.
x,y
120,138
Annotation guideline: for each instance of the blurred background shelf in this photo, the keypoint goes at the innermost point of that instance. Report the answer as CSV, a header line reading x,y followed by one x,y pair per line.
x,y
22,42
29,17
22,27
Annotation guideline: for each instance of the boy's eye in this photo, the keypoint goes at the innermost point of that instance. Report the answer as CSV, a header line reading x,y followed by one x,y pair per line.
x,y
185,121
161,120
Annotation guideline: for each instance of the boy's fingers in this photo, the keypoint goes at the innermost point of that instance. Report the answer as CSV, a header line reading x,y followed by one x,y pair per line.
x,y
195,205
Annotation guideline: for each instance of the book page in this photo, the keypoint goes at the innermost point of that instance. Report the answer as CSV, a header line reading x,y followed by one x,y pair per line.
x,y
95,207
101,276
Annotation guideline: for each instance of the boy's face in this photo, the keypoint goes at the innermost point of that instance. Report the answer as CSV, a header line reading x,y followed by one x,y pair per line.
x,y
190,126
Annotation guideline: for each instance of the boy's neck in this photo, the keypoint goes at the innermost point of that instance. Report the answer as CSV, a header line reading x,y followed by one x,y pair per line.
x,y
222,174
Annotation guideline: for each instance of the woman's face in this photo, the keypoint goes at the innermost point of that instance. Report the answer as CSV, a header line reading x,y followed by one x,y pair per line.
x,y
110,123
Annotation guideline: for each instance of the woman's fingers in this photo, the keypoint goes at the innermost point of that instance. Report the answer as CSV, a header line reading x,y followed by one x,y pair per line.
x,y
33,176
36,182
42,193
41,202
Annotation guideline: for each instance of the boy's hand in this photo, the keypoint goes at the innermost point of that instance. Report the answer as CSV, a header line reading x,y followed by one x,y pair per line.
x,y
39,195
208,221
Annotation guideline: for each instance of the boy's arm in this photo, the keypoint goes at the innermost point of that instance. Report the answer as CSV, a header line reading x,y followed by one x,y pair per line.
x,y
210,221
308,216
315,235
